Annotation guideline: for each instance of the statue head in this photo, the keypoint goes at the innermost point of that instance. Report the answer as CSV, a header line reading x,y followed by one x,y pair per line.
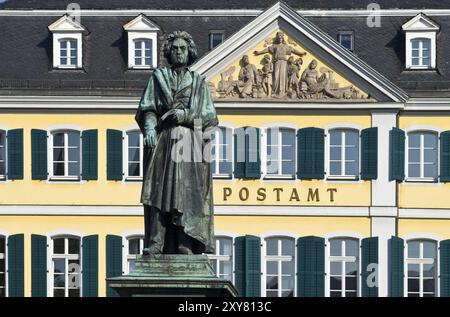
x,y
266,59
313,64
179,49
245,60
279,37
291,60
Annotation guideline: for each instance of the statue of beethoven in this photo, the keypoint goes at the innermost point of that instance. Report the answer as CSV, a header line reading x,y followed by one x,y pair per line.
x,y
176,193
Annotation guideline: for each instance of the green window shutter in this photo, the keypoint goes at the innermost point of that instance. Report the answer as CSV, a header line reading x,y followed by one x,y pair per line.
x,y
89,159
248,266
444,250
113,260
396,266
39,154
90,266
311,267
38,266
310,153
239,152
369,153
15,154
369,255
114,155
252,153
396,154
445,157
16,265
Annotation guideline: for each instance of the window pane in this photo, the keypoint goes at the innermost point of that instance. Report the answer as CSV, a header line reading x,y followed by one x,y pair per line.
x,y
74,292
429,250
134,139
335,153
133,169
429,285
351,268
74,139
138,44
335,294
226,167
74,154
415,53
415,61
137,61
430,156
59,293
74,246
336,247
134,154
288,137
429,270
426,44
63,44
287,247
272,247
351,168
413,270
216,39
335,168
272,293
335,268
335,283
426,62
415,44
288,168
58,246
272,282
148,61
225,247
351,138
335,137
58,154
430,140
225,267
287,282
2,245
134,246
351,248
414,140
414,155
272,267
74,169
58,139
351,153
413,285
414,170
413,249
287,267
350,283
73,44
430,170
58,169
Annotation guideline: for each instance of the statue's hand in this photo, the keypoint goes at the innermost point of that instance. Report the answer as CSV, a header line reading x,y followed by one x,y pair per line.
x,y
150,138
176,116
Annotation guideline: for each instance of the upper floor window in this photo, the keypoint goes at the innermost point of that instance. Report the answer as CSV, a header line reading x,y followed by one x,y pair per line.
x,y
344,267
344,154
68,53
420,37
2,266
2,155
280,153
422,155
221,152
67,42
135,246
134,154
66,154
421,53
222,260
66,270
421,268
142,43
346,40
143,52
280,267
216,38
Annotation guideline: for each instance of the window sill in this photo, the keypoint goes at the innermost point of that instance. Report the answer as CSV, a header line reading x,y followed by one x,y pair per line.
x,y
221,176
65,178
420,180
285,177
140,67
342,178
133,179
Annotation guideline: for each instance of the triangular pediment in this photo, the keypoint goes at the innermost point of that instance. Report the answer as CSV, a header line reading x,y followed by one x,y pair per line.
x,y
303,65
66,24
140,23
420,23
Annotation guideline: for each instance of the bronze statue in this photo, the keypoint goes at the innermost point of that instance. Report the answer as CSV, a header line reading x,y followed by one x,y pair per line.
x,y
176,193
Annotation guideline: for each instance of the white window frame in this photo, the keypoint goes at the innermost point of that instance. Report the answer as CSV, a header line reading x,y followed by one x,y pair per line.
x,y
50,156
217,143
215,32
125,152
68,51
328,154
143,56
66,257
131,257
421,178
5,255
279,259
421,49
352,39
343,260
57,39
221,258
4,177
421,261
264,157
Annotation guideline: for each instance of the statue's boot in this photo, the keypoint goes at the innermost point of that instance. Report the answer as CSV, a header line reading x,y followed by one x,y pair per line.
x,y
185,243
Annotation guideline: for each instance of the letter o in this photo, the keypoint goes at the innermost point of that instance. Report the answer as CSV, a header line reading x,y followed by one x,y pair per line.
x,y
241,195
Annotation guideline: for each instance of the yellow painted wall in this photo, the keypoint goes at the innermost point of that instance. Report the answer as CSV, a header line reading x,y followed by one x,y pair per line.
x,y
103,192
237,225
417,195
439,228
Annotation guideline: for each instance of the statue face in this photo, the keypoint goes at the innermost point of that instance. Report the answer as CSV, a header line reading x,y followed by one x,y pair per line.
x,y
313,64
245,60
280,37
179,53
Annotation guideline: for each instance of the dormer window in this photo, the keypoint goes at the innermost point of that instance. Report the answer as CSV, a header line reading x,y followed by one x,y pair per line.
x,y
345,38
67,43
420,36
142,43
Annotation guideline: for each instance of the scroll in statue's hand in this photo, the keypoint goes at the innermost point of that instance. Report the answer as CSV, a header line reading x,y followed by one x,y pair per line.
x,y
174,116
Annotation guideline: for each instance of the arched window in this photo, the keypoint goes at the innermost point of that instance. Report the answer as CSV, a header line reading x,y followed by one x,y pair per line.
x,y
134,152
143,52
222,260
280,267
422,155
280,152
2,266
135,245
221,152
66,154
2,155
421,272
68,53
421,52
66,267
344,153
344,267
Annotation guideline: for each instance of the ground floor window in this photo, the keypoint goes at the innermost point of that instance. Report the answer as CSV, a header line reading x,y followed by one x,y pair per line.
x,y
135,247
222,260
344,267
66,267
421,268
280,267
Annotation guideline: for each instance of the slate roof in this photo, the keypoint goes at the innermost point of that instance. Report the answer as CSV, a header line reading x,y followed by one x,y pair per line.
x,y
225,4
26,50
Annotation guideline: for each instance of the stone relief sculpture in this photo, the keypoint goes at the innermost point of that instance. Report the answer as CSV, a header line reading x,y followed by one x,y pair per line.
x,y
278,77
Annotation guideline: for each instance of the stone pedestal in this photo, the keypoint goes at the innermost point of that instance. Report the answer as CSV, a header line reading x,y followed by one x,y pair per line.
x,y
172,276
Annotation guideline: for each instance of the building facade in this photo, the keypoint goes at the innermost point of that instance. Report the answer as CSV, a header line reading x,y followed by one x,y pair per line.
x,y
331,164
